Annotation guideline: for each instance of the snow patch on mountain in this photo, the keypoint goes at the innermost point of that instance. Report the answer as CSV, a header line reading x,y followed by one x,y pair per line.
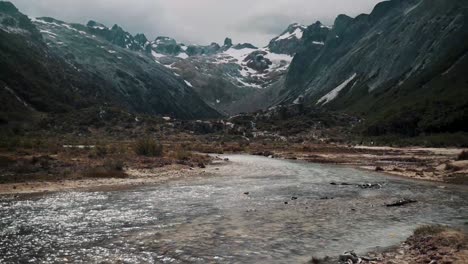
x,y
188,83
334,93
48,32
297,33
409,10
238,54
157,55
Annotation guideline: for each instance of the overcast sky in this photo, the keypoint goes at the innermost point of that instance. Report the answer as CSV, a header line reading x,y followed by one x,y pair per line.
x,y
199,21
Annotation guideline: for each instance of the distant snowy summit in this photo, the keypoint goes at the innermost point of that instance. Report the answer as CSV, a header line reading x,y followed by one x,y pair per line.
x,y
296,36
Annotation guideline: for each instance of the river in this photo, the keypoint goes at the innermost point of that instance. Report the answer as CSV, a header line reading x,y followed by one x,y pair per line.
x,y
212,219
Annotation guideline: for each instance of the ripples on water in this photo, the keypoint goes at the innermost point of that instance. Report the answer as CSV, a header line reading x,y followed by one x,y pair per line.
x,y
211,220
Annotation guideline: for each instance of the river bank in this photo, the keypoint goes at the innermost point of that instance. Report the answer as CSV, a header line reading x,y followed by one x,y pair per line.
x,y
91,167
428,164
80,167
136,177
428,244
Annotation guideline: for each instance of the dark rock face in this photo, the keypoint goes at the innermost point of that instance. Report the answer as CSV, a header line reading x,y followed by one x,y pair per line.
x,y
116,35
228,42
8,8
314,35
167,46
257,61
395,66
141,39
289,42
197,50
296,38
244,46
94,24
11,20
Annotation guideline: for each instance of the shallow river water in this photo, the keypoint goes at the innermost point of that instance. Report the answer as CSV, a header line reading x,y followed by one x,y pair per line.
x,y
210,220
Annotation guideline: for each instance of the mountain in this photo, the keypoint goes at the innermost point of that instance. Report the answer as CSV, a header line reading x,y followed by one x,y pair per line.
x,y
224,77
49,66
228,76
402,67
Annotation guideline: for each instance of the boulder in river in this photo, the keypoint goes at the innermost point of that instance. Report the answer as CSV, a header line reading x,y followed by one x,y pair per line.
x,y
350,257
379,168
370,186
401,202
343,183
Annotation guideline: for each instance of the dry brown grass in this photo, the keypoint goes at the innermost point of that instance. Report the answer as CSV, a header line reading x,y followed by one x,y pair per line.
x,y
429,230
148,147
205,148
6,161
438,243
463,155
110,169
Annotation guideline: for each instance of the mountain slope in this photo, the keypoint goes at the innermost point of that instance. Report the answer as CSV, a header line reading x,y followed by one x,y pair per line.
x,y
52,66
400,66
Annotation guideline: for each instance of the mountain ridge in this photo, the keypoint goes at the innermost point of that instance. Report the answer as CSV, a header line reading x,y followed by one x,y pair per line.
x,y
54,67
394,67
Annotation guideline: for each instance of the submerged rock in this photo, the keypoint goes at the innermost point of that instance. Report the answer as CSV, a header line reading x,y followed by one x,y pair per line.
x,y
370,186
401,202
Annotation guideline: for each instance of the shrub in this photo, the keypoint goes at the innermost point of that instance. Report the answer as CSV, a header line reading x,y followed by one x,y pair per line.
x,y
148,147
429,230
110,169
101,150
182,154
463,155
116,165
6,161
102,172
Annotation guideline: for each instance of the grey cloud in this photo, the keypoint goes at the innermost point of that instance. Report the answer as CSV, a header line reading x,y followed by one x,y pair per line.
x,y
199,21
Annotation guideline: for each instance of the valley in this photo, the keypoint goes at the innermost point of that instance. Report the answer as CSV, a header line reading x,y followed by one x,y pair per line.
x,y
330,143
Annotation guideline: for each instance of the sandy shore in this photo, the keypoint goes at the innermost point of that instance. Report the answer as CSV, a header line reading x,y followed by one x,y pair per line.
x,y
137,177
431,164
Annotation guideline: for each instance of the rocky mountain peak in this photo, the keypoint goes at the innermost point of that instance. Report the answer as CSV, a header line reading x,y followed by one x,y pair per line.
x,y
315,34
290,41
292,27
244,46
166,46
228,42
11,20
8,8
257,61
116,35
165,40
342,22
95,25
117,28
141,39
317,24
